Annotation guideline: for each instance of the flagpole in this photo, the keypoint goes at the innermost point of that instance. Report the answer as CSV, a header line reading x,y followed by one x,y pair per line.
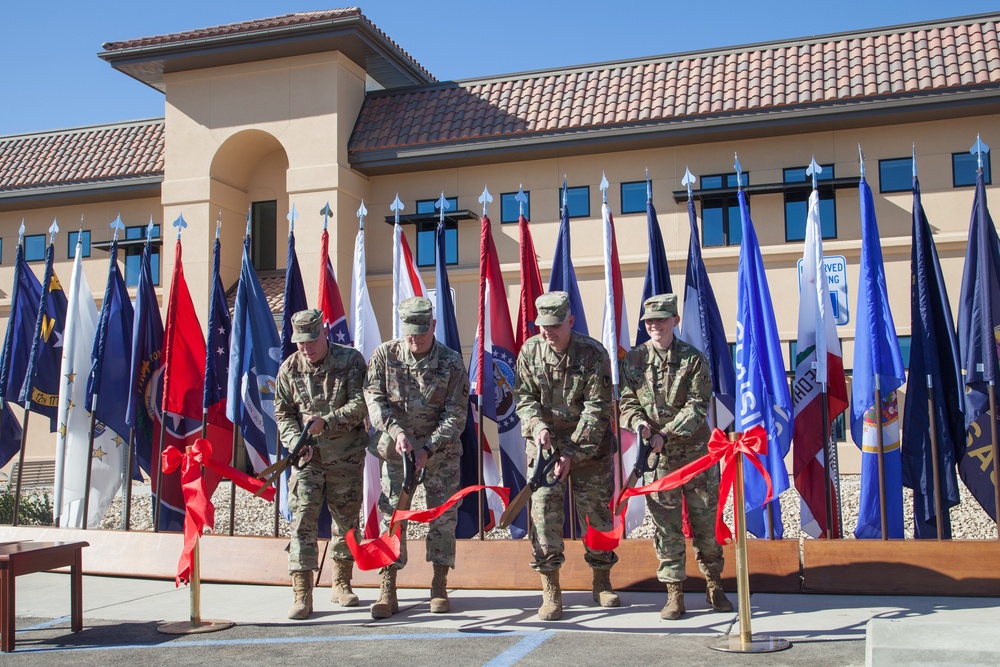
x,y
993,450
232,488
90,460
881,458
827,481
484,199
616,408
127,483
20,469
938,504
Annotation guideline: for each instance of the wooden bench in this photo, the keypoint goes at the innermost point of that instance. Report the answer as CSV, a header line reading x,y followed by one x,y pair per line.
x,y
28,557
35,474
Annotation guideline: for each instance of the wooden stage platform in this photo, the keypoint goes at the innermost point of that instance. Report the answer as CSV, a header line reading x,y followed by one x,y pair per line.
x,y
896,567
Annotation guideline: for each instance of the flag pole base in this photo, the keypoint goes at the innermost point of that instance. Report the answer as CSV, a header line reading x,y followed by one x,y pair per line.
x,y
757,644
194,627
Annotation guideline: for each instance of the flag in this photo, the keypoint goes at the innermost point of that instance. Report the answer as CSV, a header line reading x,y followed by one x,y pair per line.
x,y
531,285
406,280
877,362
819,365
73,453
146,377
366,338
218,428
763,386
933,354
295,297
563,276
41,380
702,327
254,357
491,373
329,298
615,339
978,319
446,333
26,292
657,271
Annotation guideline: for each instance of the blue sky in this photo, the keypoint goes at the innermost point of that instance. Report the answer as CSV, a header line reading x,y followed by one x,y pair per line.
x,y
51,77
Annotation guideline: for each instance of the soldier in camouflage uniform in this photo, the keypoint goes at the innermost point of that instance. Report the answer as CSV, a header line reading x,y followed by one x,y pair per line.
x,y
322,382
563,393
666,387
418,396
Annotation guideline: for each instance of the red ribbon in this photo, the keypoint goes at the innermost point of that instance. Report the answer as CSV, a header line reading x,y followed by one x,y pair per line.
x,y
384,549
199,512
751,445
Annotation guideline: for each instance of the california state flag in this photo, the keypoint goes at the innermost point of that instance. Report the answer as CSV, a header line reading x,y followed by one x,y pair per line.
x,y
819,364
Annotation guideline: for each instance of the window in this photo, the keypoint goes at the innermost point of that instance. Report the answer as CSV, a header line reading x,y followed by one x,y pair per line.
x,y
1,251
578,201
634,197
510,208
426,232
85,236
964,167
720,216
797,205
34,247
895,175
904,350
133,256
264,234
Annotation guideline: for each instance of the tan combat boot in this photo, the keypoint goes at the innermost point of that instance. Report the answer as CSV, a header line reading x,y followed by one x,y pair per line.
x,y
302,586
604,595
439,590
715,596
387,604
674,608
551,609
340,591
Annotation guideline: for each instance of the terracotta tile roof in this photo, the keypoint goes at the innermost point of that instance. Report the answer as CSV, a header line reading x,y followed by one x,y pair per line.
x,y
257,26
273,285
912,59
81,155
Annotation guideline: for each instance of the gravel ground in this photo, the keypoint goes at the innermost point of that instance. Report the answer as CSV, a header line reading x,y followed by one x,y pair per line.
x,y
256,517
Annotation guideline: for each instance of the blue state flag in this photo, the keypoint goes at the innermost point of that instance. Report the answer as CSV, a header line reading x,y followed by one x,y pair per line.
x,y
217,350
933,356
978,323
763,397
146,364
25,294
877,363
657,271
446,333
41,382
702,327
563,278
111,370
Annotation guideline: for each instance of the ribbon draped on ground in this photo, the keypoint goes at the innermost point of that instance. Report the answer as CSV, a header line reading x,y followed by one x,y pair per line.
x,y
384,549
751,444
199,512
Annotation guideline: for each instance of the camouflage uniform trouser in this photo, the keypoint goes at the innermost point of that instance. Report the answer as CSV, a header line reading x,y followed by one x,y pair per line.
x,y
592,488
702,495
340,484
441,481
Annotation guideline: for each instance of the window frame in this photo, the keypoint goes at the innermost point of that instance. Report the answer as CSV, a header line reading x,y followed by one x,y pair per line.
x,y
569,200
136,251
825,195
429,206
509,196
71,250
881,180
30,237
726,201
987,170
646,194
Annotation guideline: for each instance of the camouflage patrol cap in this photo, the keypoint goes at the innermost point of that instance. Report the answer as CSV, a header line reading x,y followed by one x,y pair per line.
x,y
553,308
659,307
415,314
307,325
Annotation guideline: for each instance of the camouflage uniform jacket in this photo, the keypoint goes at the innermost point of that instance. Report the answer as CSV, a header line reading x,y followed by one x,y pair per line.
x,y
332,390
428,398
670,395
569,394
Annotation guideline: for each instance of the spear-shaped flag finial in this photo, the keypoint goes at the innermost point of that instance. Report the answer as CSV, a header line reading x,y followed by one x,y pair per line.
x,y
861,161
218,224
53,229
326,213
362,212
521,199
565,193
292,217
688,181
604,188
739,172
978,149
442,205
20,233
246,234
649,187
180,223
117,225
813,169
396,206
913,150
149,229
485,199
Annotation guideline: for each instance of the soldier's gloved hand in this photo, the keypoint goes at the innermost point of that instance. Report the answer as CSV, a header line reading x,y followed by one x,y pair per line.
x,y
421,458
656,444
562,467
403,445
545,439
316,424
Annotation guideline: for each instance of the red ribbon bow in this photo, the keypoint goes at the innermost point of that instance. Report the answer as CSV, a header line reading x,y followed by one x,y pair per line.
x,y
199,512
752,445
